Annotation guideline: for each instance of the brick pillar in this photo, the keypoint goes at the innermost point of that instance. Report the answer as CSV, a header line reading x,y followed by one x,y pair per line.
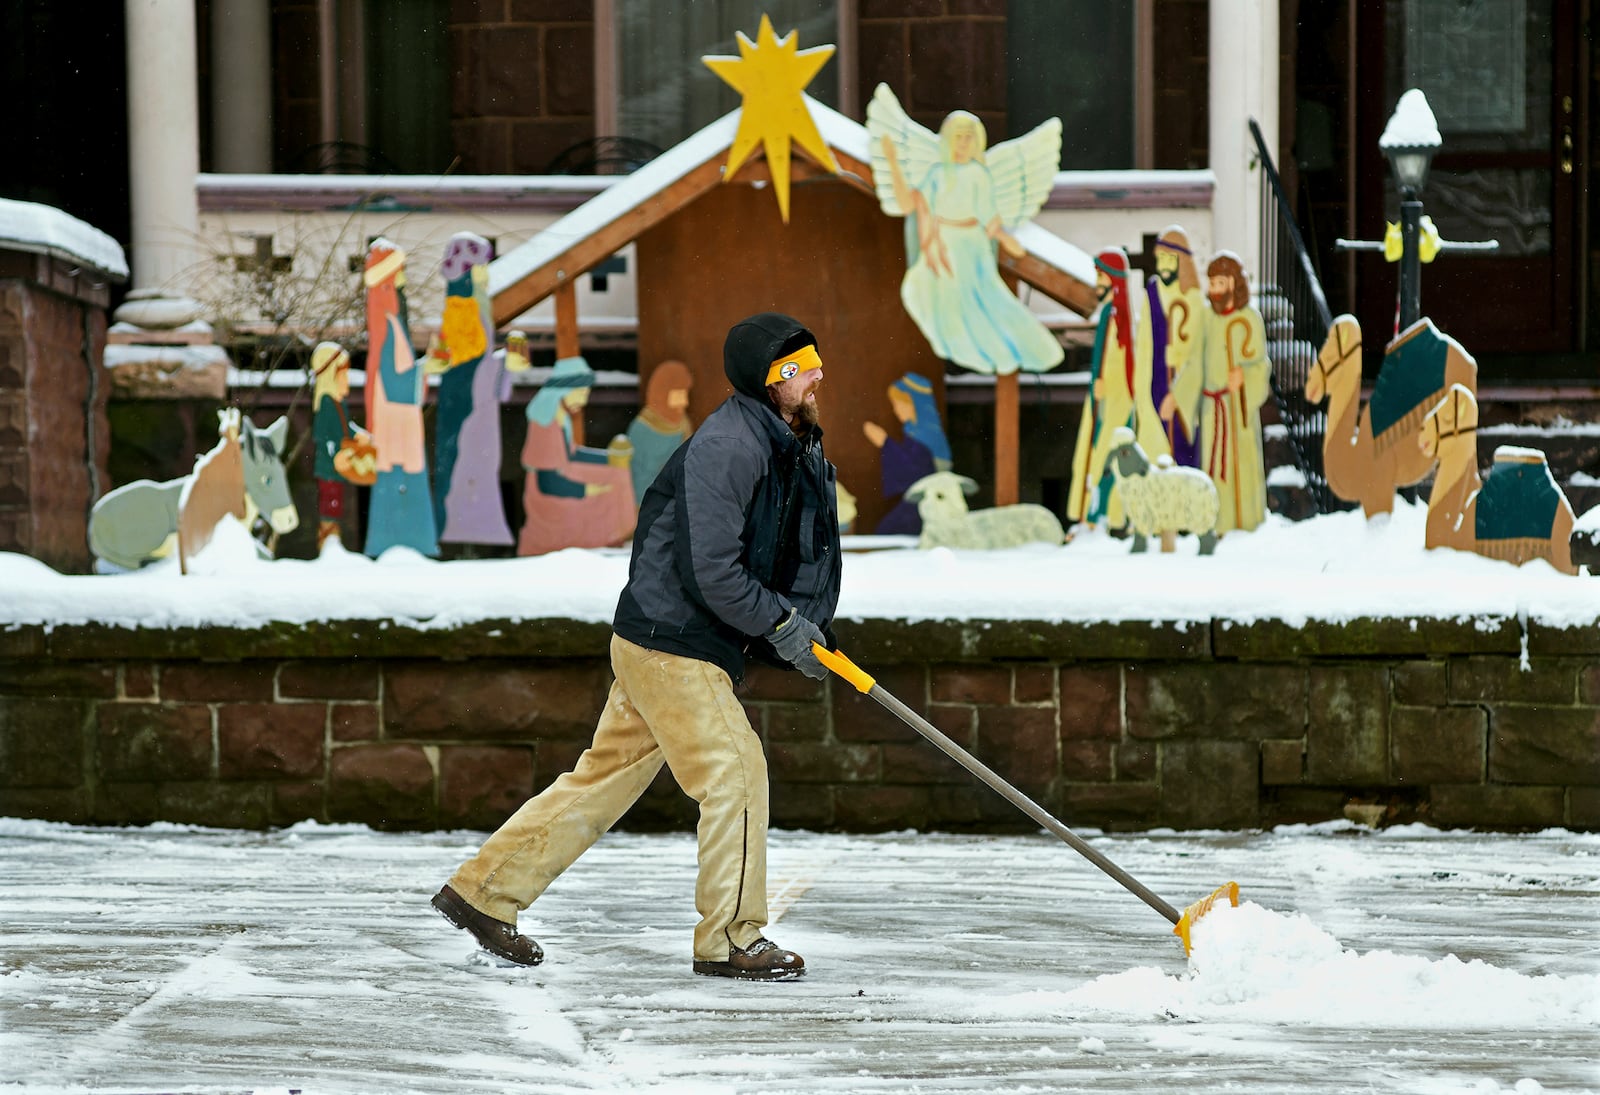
x,y
53,430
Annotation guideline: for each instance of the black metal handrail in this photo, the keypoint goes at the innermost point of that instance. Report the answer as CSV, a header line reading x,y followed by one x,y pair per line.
x,y
1297,317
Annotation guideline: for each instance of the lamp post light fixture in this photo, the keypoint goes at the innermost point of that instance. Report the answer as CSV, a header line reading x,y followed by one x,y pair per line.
x,y
1410,141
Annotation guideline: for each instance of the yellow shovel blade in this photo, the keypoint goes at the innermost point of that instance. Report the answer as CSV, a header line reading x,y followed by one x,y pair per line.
x,y
1193,913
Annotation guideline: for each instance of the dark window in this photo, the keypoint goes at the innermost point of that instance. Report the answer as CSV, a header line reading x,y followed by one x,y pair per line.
x,y
408,84
1074,60
665,93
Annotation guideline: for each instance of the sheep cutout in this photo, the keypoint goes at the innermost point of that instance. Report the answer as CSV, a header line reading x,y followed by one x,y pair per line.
x,y
1163,499
941,502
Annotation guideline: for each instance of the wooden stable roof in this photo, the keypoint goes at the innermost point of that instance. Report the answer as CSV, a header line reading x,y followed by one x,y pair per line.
x,y
637,202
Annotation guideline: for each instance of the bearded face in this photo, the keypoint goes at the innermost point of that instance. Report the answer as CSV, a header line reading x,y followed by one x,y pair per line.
x,y
1167,267
1220,290
1102,287
806,415
796,398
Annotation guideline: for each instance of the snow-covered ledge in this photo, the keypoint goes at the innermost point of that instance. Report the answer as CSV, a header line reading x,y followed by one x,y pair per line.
x,y
46,230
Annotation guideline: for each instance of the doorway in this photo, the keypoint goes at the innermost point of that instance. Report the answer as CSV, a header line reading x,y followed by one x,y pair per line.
x,y
1503,79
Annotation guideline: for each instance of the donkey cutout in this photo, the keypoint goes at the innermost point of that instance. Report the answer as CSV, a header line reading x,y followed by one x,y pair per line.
x,y
243,475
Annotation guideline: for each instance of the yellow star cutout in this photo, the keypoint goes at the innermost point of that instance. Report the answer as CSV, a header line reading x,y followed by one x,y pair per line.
x,y
770,73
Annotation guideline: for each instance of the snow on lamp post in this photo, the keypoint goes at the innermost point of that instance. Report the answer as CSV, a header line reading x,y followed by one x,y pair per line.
x,y
1410,141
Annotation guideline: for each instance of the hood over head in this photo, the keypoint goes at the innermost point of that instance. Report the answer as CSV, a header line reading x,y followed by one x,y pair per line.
x,y
754,343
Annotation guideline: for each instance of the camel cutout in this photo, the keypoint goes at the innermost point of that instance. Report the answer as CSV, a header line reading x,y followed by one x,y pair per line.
x,y
1518,513
1369,451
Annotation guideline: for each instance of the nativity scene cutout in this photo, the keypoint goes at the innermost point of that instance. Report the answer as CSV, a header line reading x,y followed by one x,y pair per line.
x,y
1170,437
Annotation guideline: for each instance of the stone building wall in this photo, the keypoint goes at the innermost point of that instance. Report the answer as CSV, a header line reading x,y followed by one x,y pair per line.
x,y
522,82
52,410
1115,726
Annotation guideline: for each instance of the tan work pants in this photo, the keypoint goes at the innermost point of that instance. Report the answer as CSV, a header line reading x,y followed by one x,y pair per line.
x,y
662,708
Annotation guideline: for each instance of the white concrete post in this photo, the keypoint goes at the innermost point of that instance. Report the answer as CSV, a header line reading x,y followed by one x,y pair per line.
x,y
163,142
1243,85
241,85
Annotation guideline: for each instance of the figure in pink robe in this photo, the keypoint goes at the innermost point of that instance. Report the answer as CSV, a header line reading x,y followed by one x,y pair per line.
x,y
574,496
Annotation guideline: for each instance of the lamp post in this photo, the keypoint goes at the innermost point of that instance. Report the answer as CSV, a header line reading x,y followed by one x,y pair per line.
x,y
1410,141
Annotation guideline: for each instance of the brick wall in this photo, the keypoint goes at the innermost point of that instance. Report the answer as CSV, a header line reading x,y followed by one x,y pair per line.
x,y
1121,726
52,340
522,83
936,56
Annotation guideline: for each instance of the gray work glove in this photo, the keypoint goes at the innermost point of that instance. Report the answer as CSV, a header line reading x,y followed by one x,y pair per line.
x,y
792,640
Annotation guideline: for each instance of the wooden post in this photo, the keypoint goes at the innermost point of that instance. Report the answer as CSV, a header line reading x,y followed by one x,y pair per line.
x,y
567,338
1007,419
1007,426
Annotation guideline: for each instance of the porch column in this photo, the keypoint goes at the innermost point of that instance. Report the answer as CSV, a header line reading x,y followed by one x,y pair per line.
x,y
167,355
163,142
1243,85
241,85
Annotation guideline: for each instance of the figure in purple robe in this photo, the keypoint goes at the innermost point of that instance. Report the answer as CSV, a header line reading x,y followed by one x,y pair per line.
x,y
903,462
1173,293
922,450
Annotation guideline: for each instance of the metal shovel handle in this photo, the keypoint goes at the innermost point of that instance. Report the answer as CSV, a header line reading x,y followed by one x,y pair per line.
x,y
863,682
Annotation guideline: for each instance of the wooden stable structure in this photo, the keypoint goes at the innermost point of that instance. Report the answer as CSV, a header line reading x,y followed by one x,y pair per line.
x,y
709,254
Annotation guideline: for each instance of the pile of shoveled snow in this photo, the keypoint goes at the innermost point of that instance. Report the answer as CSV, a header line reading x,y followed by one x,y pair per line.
x,y
1253,964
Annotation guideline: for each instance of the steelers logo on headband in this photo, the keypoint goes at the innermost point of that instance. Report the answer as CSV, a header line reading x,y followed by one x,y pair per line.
x,y
802,360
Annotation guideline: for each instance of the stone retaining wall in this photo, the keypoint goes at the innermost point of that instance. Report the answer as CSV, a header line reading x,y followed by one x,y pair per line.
x,y
1115,726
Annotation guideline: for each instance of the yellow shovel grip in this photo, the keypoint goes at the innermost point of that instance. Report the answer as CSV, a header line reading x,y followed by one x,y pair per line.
x,y
844,667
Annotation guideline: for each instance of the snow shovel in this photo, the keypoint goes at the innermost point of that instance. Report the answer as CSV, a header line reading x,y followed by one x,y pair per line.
x,y
1181,922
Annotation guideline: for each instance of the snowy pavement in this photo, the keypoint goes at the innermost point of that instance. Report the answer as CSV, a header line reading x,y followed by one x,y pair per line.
x,y
174,959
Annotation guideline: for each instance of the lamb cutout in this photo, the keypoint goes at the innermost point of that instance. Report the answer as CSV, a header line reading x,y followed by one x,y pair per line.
x,y
941,502
1162,499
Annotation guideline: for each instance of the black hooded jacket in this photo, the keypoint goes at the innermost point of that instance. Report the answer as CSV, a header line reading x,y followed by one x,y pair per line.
x,y
741,523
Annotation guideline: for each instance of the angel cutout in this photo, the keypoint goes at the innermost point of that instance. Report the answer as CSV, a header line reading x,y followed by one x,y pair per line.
x,y
960,199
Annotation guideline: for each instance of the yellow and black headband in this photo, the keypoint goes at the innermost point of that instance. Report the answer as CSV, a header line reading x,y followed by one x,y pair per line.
x,y
802,360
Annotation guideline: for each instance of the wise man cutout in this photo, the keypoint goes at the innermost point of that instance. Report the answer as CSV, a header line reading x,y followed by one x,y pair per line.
x,y
472,385
400,513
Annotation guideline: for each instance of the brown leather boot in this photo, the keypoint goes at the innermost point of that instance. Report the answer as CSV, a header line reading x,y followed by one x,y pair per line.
x,y
495,936
762,960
